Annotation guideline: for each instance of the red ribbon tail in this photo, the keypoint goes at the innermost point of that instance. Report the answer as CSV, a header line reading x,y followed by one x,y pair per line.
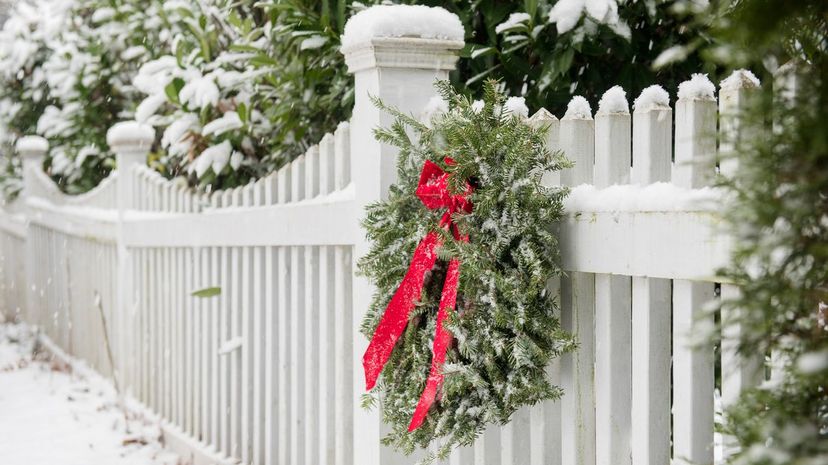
x,y
395,318
442,339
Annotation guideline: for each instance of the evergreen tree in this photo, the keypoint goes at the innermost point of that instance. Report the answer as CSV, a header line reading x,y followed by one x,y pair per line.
x,y
779,222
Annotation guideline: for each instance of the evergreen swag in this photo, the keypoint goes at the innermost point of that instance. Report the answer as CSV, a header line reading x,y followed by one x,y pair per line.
x,y
505,325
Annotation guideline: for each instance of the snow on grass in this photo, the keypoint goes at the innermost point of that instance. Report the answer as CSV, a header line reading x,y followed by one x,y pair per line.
x,y
698,87
578,108
402,21
52,416
739,79
614,101
652,97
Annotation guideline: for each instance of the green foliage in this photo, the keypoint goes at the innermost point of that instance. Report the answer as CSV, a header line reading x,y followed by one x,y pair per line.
x,y
779,220
506,327
547,67
207,292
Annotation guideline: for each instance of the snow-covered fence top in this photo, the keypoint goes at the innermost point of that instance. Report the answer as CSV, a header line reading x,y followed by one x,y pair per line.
x,y
234,315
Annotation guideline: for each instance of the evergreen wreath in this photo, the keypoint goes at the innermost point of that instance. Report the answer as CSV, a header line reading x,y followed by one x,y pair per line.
x,y
505,324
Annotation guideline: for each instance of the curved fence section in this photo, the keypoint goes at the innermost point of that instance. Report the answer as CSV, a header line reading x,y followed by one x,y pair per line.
x,y
234,315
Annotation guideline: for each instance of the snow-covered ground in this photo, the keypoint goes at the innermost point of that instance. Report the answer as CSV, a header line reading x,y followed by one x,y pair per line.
x,y
51,416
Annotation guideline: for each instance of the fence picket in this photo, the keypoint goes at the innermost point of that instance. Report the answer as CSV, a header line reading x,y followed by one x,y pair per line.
x,y
613,316
651,305
577,140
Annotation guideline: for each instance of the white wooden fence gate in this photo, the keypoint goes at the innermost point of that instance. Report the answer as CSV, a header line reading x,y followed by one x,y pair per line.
x,y
267,372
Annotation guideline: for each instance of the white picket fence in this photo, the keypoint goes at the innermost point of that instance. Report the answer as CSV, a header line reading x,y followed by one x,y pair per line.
x,y
268,371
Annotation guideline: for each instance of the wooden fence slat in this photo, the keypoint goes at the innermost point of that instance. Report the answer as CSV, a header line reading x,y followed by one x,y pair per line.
x,y
235,354
259,335
271,359
343,344
224,359
613,357
514,439
487,447
650,371
283,321
342,160
651,302
692,377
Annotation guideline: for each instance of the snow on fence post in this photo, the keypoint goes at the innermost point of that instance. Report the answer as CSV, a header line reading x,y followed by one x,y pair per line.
x,y
32,150
693,375
577,141
386,50
739,371
651,306
131,142
613,306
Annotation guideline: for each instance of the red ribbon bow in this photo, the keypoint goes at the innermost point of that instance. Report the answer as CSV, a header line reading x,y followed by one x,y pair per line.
x,y
433,192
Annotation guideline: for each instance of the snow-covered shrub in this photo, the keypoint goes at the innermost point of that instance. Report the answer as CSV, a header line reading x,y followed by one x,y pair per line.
x,y
546,51
200,96
89,74
25,41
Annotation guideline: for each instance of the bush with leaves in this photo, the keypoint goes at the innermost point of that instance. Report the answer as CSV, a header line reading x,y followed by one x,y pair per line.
x,y
779,221
25,41
506,325
89,73
201,96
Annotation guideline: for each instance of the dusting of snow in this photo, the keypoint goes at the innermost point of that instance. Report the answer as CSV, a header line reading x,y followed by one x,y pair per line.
x,y
230,345
236,160
658,197
130,132
811,363
31,144
228,122
614,101
698,87
402,21
515,20
215,157
149,106
516,106
578,108
740,79
58,411
477,106
200,93
436,106
652,97
313,42
673,54
566,14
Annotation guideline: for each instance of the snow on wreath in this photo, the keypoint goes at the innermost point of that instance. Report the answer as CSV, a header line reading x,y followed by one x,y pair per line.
x,y
462,327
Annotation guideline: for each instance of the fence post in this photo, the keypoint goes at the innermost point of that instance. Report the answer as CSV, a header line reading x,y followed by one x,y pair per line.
x,y
401,72
32,150
131,142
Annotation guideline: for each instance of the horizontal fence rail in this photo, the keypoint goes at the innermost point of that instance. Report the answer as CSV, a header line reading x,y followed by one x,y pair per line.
x,y
234,315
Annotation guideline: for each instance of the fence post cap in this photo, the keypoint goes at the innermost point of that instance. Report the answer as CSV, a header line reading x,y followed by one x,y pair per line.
x,y
32,146
130,135
402,36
